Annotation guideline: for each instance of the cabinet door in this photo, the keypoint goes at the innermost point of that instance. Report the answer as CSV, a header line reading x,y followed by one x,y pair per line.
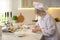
x,y
27,3
55,3
51,3
45,2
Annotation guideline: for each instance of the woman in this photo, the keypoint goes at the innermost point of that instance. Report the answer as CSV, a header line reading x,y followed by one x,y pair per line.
x,y
46,23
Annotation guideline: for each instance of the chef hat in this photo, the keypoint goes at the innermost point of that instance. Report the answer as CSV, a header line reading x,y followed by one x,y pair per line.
x,y
39,6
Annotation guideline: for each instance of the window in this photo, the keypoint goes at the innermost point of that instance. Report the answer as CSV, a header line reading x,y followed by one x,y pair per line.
x,y
3,19
5,16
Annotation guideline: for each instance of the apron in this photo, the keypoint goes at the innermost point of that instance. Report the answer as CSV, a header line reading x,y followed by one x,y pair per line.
x,y
47,31
54,37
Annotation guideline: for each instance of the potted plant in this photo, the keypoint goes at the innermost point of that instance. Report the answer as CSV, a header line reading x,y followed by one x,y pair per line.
x,y
14,18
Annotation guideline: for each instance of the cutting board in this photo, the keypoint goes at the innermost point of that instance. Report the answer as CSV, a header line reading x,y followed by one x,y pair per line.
x,y
20,18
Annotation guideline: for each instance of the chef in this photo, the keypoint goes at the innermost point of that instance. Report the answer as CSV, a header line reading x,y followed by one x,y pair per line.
x,y
46,23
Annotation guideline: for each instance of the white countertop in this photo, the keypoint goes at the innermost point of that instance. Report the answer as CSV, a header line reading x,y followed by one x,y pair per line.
x,y
29,36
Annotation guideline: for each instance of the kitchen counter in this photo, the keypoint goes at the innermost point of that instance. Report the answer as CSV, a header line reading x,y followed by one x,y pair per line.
x,y
29,36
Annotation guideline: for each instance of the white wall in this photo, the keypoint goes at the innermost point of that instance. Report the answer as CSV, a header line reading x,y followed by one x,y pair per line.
x,y
28,14
55,12
19,3
15,5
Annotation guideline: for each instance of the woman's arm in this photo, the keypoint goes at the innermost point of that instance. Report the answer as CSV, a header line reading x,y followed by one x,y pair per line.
x,y
50,27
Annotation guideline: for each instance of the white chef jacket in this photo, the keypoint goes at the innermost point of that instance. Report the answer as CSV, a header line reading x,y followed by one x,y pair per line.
x,y
48,27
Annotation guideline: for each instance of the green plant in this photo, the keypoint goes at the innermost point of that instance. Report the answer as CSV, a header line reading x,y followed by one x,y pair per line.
x,y
14,17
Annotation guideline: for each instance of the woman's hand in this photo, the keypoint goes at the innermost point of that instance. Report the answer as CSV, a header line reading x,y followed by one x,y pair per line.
x,y
36,29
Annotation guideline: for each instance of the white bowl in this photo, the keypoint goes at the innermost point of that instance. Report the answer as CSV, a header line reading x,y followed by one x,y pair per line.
x,y
20,33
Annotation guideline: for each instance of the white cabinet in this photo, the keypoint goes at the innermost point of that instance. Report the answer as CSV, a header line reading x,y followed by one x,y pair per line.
x,y
51,3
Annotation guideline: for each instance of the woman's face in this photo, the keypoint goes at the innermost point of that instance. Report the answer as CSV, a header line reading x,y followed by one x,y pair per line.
x,y
39,12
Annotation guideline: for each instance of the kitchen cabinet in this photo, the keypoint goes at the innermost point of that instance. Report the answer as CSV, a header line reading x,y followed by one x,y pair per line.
x,y
45,2
25,3
49,3
55,3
